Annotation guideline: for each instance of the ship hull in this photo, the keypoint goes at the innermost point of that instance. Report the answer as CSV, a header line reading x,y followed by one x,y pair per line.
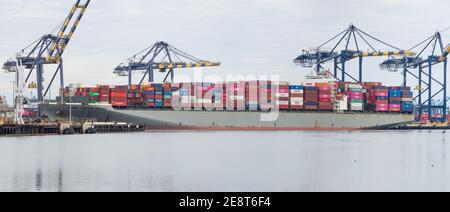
x,y
227,120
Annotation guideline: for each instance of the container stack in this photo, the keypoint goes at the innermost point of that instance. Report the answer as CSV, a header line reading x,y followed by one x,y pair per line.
x,y
206,98
311,98
265,95
148,93
395,98
135,98
104,93
159,95
119,95
185,95
236,95
94,94
252,95
282,95
167,88
407,105
296,97
378,99
355,96
218,92
325,97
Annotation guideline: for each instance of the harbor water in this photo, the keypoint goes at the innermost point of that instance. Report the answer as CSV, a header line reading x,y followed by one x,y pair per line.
x,y
228,161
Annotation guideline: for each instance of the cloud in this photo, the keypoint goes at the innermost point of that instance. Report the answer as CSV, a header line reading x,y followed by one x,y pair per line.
x,y
248,36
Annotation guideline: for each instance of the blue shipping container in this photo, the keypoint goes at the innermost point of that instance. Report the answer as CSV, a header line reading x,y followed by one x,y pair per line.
x,y
296,87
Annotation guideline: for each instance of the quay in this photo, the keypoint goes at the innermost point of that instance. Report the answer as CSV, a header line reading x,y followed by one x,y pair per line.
x,y
61,128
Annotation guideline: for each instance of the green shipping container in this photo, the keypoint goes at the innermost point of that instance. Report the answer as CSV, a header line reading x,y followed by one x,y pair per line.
x,y
355,89
94,94
356,101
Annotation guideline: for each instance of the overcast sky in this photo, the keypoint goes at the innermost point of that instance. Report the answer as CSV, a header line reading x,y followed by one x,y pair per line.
x,y
247,36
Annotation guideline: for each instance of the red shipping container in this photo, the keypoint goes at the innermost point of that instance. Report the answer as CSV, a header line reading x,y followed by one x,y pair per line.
x,y
283,107
297,95
119,104
296,107
324,88
122,95
308,107
394,108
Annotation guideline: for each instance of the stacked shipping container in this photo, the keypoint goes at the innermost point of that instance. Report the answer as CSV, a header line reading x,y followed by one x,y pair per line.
x,y
281,95
325,96
407,100
119,96
355,96
311,98
395,98
255,95
296,97
265,95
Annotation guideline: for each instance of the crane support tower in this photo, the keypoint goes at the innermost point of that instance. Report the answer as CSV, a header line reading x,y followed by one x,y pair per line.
x,y
431,83
350,37
160,56
48,50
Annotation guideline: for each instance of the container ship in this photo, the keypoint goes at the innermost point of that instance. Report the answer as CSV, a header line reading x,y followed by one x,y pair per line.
x,y
315,104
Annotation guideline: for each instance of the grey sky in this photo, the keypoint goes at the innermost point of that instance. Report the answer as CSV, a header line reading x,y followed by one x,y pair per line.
x,y
247,36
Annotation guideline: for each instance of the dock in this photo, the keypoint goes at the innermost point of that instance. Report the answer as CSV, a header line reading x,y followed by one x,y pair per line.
x,y
421,126
60,129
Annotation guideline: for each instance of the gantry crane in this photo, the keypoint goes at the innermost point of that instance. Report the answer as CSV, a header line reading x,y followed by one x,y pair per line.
x,y
320,56
47,50
160,56
428,78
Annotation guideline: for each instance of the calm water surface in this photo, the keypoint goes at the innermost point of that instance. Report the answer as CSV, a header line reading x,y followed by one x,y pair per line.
x,y
228,161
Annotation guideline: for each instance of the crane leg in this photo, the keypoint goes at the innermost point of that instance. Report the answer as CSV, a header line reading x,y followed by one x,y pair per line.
x,y
39,79
61,78
445,90
430,70
151,75
130,78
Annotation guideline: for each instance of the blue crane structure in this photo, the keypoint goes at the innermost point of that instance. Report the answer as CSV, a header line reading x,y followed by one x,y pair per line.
x,y
162,57
48,50
352,36
430,83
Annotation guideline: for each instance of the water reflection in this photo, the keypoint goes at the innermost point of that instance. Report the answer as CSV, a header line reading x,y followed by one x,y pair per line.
x,y
227,161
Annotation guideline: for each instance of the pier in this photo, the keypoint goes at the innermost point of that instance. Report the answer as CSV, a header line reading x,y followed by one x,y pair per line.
x,y
59,129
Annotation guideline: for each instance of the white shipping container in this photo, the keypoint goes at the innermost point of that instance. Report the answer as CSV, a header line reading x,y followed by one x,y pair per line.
x,y
282,102
297,91
279,83
297,99
206,101
354,86
356,104
236,97
281,95
407,99
356,108
297,103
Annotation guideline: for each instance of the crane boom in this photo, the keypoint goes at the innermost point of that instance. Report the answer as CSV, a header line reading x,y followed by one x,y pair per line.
x,y
383,53
446,53
48,50
163,57
63,39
